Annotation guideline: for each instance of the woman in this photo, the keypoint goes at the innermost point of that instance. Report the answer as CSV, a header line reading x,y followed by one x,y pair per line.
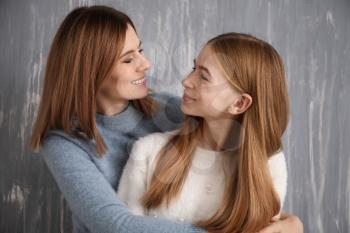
x,y
95,104
216,170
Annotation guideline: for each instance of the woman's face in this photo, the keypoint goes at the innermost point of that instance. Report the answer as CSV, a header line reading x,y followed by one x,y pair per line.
x,y
207,92
127,80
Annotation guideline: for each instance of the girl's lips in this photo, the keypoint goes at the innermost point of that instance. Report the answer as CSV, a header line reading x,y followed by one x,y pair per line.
x,y
187,99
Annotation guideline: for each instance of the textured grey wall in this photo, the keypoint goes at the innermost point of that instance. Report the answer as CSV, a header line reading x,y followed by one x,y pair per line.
x,y
311,35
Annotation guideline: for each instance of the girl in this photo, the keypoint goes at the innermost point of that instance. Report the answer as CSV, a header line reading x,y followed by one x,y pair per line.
x,y
95,104
224,169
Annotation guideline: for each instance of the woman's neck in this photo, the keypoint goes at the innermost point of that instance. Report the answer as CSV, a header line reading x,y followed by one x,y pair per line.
x,y
220,135
109,108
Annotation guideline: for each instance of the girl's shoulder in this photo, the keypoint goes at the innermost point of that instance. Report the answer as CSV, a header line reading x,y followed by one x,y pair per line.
x,y
277,157
156,140
277,161
278,171
278,167
149,145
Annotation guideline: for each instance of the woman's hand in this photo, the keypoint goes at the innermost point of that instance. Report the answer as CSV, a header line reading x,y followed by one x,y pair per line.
x,y
286,224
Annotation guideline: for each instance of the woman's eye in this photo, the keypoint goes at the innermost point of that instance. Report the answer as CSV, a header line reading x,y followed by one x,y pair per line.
x,y
127,61
140,50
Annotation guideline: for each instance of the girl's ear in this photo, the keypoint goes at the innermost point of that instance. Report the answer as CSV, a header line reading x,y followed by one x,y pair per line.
x,y
240,105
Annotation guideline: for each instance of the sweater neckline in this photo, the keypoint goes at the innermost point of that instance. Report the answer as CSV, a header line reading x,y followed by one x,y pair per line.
x,y
126,120
207,153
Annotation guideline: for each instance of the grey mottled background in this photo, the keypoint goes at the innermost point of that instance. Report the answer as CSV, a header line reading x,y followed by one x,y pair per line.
x,y
311,35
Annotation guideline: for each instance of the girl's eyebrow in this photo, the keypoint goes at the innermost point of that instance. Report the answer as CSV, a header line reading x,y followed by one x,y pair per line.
x,y
201,67
130,51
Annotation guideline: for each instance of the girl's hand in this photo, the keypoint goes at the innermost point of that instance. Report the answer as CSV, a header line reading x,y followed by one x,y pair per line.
x,y
286,224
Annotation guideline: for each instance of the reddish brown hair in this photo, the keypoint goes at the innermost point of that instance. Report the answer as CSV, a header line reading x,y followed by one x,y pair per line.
x,y
254,67
85,47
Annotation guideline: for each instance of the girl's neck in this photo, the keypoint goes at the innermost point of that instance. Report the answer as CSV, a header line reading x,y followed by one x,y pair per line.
x,y
220,135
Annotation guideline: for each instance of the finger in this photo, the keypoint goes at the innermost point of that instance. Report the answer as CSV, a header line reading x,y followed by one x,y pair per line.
x,y
284,215
275,218
272,228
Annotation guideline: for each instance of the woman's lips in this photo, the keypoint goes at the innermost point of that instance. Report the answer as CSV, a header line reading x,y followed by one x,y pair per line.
x,y
141,81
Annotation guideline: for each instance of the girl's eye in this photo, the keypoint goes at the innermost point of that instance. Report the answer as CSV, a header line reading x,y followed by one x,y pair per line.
x,y
204,78
140,50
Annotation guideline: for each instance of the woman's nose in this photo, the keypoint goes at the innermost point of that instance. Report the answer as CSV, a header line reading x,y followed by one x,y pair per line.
x,y
144,63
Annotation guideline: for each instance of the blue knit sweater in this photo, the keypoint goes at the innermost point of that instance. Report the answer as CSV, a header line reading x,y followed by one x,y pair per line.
x,y
89,183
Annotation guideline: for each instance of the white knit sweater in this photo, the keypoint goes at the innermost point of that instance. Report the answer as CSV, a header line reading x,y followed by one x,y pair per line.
x,y
203,189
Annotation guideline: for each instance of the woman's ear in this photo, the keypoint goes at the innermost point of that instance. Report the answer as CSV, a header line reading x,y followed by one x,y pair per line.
x,y
240,105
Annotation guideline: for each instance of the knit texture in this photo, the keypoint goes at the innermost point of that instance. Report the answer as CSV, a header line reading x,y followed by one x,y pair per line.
x,y
89,183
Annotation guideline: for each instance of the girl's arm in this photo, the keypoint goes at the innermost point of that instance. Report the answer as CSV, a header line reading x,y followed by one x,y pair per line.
x,y
91,197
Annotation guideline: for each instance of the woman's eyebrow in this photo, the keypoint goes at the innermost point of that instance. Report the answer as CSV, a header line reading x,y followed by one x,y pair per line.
x,y
130,51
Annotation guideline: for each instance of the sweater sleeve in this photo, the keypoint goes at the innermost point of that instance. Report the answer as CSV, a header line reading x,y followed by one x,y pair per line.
x,y
91,197
278,171
169,116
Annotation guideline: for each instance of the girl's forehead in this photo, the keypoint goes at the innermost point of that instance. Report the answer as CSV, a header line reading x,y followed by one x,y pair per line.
x,y
208,59
204,54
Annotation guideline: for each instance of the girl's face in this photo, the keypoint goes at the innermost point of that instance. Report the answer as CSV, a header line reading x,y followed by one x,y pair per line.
x,y
127,80
207,92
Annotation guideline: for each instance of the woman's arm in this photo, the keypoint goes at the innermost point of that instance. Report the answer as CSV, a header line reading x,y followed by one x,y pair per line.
x,y
90,196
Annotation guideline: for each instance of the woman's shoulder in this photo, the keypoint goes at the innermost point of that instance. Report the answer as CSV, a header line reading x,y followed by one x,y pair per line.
x,y
58,141
57,137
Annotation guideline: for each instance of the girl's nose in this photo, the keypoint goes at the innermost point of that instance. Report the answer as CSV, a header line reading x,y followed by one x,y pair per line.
x,y
188,82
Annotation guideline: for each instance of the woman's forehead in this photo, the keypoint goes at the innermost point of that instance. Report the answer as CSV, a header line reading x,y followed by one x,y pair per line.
x,y
132,41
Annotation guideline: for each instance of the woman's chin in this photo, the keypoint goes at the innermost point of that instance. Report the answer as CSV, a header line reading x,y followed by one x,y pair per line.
x,y
140,94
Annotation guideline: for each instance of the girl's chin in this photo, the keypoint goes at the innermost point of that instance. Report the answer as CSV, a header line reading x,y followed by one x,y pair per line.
x,y
186,109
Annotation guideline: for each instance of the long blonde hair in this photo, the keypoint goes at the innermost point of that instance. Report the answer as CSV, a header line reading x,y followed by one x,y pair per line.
x,y
83,52
254,67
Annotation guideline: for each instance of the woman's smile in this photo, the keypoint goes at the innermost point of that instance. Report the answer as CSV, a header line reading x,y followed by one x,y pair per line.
x,y
141,81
